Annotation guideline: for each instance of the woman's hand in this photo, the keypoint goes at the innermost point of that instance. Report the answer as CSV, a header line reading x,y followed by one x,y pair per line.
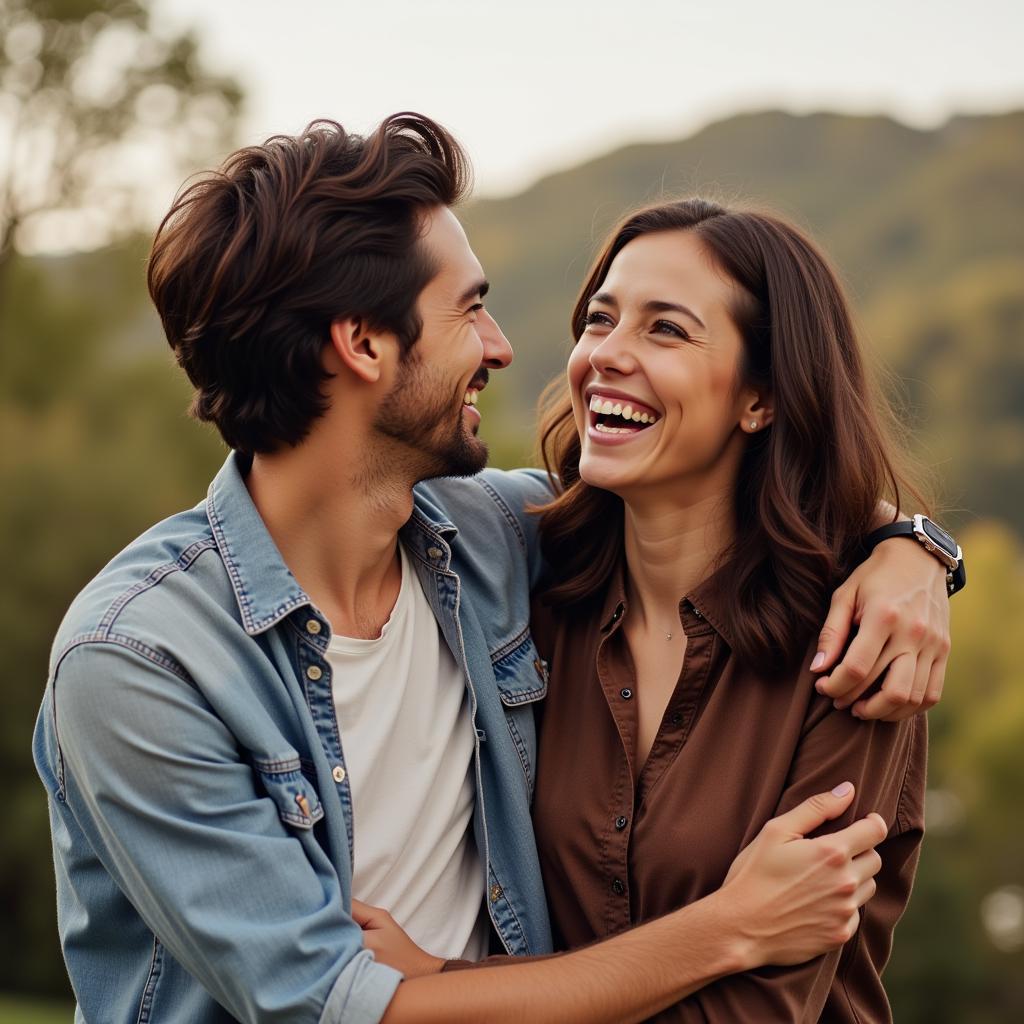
x,y
793,898
897,598
390,944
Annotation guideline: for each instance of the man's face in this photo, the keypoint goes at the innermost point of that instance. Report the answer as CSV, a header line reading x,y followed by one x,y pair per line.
x,y
431,409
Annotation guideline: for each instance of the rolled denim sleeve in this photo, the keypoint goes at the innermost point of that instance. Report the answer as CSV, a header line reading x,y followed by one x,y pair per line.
x,y
244,898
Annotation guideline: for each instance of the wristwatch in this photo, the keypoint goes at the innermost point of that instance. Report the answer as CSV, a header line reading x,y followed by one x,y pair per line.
x,y
935,541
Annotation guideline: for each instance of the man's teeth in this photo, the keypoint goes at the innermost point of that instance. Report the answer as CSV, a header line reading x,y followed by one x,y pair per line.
x,y
604,407
470,397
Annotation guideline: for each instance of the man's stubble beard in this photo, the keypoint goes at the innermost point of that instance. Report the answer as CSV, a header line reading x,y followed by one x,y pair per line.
x,y
417,413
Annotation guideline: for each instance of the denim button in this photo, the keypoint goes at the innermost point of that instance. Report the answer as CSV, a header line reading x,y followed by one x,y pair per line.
x,y
496,893
313,627
314,672
434,552
617,887
338,773
621,822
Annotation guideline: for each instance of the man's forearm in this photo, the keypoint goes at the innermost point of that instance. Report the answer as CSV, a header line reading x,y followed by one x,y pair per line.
x,y
885,513
626,978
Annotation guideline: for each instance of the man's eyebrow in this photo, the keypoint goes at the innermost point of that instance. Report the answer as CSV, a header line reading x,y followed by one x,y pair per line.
x,y
651,306
477,290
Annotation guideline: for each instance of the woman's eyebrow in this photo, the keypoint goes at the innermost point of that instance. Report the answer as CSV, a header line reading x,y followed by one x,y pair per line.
x,y
657,306
651,306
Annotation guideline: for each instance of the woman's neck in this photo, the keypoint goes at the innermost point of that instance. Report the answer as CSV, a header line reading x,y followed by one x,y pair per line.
x,y
670,549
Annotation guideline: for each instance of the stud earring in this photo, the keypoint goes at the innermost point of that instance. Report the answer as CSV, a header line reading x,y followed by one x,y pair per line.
x,y
753,424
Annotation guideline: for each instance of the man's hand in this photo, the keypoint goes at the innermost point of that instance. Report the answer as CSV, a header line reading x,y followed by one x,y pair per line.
x,y
792,898
390,944
897,598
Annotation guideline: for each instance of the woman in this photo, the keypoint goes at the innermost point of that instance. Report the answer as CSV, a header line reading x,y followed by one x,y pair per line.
x,y
720,462
694,554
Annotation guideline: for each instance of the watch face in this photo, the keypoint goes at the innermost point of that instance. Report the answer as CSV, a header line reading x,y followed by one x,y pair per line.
x,y
939,537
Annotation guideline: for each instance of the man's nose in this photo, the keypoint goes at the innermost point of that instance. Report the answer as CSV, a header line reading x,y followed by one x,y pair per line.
x,y
497,350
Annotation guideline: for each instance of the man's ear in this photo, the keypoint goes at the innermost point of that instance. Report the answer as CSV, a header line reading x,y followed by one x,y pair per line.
x,y
758,411
360,350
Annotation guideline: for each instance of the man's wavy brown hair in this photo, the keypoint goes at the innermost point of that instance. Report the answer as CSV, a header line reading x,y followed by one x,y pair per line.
x,y
809,486
255,260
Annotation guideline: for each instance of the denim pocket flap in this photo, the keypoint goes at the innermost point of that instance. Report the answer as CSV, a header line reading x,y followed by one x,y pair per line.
x,y
521,673
296,799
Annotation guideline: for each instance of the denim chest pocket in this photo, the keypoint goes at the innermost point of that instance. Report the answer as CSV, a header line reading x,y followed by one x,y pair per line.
x,y
293,794
522,679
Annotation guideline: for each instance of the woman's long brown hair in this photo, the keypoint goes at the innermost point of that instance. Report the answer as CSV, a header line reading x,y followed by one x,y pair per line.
x,y
809,486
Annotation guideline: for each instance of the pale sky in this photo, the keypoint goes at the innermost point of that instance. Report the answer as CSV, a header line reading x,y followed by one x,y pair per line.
x,y
535,85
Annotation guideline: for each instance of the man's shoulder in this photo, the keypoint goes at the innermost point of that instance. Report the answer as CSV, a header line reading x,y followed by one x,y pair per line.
x,y
505,493
153,589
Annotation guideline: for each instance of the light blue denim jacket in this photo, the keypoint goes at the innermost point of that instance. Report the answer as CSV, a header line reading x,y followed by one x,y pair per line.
x,y
199,802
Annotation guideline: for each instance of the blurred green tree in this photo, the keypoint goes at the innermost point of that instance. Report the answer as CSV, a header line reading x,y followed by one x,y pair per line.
x,y
97,104
954,962
89,92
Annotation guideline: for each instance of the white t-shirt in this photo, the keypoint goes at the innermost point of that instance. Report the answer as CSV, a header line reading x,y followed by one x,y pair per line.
x,y
403,712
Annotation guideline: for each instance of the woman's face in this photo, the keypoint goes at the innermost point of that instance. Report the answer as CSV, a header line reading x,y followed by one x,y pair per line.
x,y
660,343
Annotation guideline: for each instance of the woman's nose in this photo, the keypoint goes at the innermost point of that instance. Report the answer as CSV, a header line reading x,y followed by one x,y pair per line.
x,y
613,354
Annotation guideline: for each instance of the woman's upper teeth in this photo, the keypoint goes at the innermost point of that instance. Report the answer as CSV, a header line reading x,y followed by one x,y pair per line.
x,y
614,407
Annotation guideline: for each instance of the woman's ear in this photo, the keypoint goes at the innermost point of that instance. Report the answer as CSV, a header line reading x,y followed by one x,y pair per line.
x,y
358,349
757,412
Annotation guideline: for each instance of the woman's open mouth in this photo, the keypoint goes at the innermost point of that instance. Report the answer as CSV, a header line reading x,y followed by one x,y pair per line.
x,y
613,417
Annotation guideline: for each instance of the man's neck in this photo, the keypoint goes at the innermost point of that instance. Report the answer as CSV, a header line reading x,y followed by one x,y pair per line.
x,y
336,529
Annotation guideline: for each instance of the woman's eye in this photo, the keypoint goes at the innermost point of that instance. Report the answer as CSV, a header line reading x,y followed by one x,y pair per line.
x,y
667,327
596,318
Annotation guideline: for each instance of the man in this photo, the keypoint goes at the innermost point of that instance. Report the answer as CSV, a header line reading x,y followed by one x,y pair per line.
x,y
306,688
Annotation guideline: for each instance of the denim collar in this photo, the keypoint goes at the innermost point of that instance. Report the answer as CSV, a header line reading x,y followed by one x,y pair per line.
x,y
264,587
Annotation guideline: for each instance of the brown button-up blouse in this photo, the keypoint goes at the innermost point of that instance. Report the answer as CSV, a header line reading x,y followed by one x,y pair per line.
x,y
622,842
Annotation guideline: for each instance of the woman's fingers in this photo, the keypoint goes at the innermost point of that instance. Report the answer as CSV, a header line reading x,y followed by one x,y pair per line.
x,y
367,916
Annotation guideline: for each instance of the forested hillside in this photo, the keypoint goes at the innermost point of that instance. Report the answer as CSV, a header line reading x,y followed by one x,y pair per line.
x,y
927,229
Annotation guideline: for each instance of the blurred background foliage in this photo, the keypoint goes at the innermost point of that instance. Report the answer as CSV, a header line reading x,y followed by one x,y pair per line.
x,y
927,227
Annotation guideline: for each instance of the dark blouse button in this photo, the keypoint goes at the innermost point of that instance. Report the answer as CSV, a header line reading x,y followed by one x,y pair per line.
x,y
621,822
625,693
617,887
676,718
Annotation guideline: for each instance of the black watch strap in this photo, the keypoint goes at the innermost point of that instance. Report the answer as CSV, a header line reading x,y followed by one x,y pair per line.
x,y
956,576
